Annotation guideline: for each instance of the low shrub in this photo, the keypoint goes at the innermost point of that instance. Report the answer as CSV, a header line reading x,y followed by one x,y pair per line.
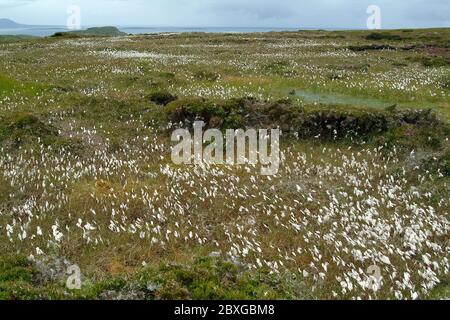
x,y
214,279
435,62
25,128
204,279
444,164
338,124
6,84
232,113
372,47
18,281
188,110
162,97
65,35
410,136
290,118
383,36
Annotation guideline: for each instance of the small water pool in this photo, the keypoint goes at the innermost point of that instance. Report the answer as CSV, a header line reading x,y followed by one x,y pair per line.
x,y
336,98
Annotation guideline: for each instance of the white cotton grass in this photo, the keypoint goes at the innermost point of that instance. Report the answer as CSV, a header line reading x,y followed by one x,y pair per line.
x,y
331,235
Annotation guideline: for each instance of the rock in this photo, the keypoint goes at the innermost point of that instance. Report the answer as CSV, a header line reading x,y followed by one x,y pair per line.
x,y
214,254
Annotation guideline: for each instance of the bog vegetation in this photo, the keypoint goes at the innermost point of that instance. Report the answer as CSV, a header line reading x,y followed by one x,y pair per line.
x,y
86,177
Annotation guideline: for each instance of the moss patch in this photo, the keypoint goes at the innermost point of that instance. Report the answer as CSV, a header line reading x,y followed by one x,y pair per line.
x,y
18,281
325,123
22,127
205,279
162,97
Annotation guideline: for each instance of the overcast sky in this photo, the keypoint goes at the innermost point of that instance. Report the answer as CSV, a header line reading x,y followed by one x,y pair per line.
x,y
229,13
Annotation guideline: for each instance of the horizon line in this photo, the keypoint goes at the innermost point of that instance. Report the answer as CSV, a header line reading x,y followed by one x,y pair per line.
x,y
328,28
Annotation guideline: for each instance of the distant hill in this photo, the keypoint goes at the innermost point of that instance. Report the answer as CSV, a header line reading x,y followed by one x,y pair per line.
x,y
7,38
92,32
9,24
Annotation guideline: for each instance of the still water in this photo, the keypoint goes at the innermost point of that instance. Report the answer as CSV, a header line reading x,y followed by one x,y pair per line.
x,y
48,31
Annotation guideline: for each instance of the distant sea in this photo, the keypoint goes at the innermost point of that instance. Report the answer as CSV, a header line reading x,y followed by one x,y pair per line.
x,y
42,31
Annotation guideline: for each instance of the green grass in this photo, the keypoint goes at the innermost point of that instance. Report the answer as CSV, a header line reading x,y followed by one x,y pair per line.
x,y
10,87
204,279
18,281
7,85
10,38
442,291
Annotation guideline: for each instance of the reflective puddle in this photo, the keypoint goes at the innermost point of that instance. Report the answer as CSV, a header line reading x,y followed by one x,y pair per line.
x,y
336,98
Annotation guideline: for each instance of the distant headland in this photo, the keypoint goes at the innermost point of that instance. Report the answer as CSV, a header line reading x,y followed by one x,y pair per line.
x,y
10,24
92,32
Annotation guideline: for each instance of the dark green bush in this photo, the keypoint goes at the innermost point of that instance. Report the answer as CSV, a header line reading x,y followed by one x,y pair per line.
x,y
372,47
383,36
167,75
162,97
232,113
445,83
325,123
444,163
65,35
337,124
188,110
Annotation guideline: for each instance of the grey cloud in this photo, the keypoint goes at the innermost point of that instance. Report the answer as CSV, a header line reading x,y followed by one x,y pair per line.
x,y
283,13
259,11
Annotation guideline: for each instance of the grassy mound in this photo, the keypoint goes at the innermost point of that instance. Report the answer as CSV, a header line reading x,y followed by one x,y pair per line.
x,y
373,47
162,97
445,164
25,128
20,128
303,122
205,279
383,36
18,281
14,38
92,32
